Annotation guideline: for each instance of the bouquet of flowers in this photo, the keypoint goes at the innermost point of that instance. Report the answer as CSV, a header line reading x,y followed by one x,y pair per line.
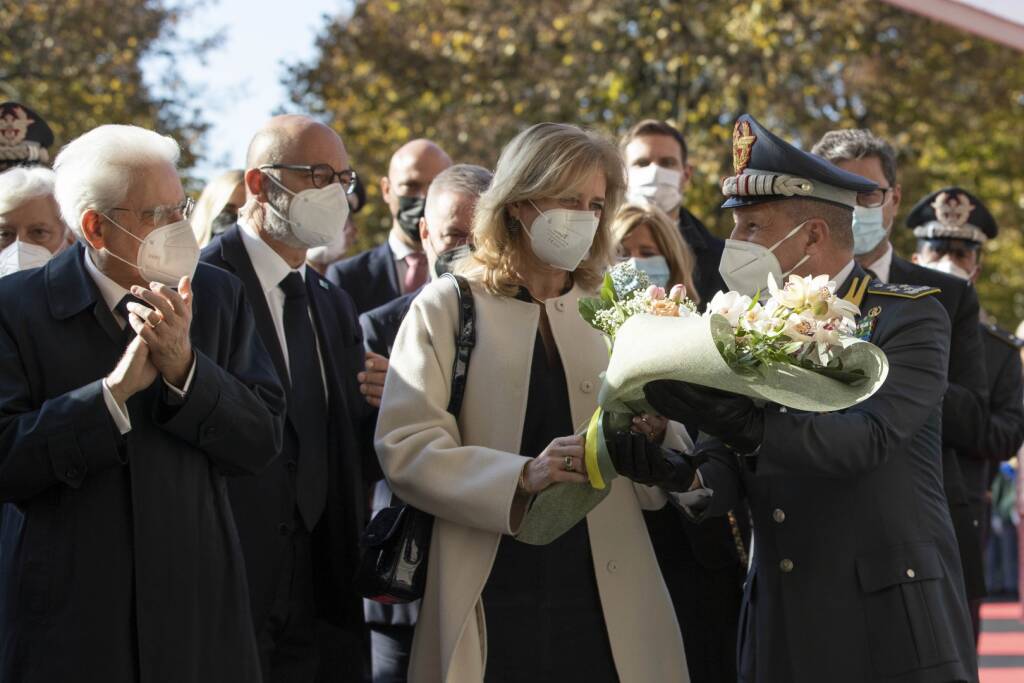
x,y
798,345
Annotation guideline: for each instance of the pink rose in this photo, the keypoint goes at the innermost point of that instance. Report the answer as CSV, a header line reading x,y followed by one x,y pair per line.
x,y
654,293
678,293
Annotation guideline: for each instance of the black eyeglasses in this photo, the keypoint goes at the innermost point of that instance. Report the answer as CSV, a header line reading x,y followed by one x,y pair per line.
x,y
321,175
874,198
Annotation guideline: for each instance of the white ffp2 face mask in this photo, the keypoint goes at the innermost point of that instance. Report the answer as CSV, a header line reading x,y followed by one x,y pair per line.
x,y
945,265
655,185
561,238
22,256
317,216
745,266
166,255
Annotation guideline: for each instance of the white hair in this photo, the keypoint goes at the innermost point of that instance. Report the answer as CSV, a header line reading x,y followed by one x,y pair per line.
x,y
94,171
20,184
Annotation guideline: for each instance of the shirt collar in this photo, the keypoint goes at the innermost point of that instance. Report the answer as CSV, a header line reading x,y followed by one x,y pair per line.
x,y
398,247
111,292
843,274
883,266
269,266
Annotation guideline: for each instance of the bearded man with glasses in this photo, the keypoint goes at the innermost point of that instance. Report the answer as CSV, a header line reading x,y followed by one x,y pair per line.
x,y
965,404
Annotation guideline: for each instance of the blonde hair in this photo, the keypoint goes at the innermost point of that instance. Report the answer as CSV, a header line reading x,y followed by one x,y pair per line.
x,y
666,235
212,201
542,162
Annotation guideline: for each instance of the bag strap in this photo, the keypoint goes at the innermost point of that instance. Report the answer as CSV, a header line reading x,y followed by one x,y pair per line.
x,y
465,340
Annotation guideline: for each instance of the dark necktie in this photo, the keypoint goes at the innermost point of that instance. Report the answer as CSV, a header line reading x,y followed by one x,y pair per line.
x,y
307,406
122,310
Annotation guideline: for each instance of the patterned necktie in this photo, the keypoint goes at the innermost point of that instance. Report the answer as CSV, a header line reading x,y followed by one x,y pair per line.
x,y
307,405
416,272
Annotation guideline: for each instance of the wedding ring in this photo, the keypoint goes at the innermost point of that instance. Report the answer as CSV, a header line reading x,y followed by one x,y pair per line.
x,y
158,321
568,466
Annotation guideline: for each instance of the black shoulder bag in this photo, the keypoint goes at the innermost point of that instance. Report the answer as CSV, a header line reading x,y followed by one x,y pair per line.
x,y
393,568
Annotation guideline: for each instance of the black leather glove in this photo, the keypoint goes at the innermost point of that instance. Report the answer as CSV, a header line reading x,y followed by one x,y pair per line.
x,y
732,418
638,459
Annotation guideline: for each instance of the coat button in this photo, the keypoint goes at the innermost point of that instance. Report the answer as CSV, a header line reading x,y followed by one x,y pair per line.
x,y
783,409
559,305
786,566
613,567
283,529
779,515
586,386
910,574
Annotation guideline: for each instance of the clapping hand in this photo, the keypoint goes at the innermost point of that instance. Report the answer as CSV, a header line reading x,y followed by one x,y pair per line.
x,y
165,328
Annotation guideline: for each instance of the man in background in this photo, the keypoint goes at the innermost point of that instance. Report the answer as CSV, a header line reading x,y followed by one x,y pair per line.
x,y
965,403
398,266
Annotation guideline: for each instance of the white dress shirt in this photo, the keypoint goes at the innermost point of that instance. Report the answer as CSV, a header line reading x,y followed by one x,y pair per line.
x,y
112,294
271,269
883,265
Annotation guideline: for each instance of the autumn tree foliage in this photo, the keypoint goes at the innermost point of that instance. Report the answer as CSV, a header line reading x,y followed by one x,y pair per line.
x,y
78,63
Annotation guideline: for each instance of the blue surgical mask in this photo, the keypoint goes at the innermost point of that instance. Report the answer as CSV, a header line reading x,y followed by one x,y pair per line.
x,y
868,229
656,268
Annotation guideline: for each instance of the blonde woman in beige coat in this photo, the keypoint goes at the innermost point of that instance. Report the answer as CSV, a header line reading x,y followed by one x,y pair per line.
x,y
592,605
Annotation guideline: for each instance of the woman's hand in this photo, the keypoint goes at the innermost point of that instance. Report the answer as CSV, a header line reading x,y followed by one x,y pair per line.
x,y
651,426
562,460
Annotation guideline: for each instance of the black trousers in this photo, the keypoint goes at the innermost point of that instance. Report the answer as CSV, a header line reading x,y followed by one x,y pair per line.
x,y
288,641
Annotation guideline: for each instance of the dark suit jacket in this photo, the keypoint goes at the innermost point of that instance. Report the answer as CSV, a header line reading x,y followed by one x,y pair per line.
x,y
1005,431
119,557
708,252
856,575
265,505
380,325
965,404
370,278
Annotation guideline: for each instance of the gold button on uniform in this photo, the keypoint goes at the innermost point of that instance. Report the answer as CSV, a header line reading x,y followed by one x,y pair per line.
x,y
786,566
779,515
910,574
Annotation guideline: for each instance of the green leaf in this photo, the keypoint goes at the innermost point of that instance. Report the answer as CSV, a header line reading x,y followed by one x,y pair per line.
x,y
608,290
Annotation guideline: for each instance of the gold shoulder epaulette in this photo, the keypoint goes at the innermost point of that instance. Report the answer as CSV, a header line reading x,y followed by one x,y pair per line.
x,y
900,290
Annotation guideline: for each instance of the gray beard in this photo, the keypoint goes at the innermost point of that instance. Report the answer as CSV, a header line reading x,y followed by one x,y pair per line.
x,y
274,225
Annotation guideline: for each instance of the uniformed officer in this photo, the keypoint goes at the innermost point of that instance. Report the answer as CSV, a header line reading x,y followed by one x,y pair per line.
x,y
951,225
855,575
965,403
24,137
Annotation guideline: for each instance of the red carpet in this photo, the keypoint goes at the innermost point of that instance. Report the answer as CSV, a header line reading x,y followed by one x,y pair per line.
x,y
1001,650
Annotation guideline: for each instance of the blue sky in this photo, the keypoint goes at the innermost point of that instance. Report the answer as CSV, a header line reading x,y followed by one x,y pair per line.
x,y
241,79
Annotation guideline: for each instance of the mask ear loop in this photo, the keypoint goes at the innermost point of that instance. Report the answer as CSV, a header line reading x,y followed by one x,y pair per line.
x,y
125,261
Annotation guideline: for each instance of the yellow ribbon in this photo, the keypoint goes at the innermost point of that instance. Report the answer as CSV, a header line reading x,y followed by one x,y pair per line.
x,y
590,452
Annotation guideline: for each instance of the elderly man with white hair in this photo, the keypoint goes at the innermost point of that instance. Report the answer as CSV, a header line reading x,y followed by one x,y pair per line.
x,y
131,383
31,229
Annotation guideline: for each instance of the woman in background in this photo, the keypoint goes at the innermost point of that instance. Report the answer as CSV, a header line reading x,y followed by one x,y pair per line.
x,y
217,208
645,234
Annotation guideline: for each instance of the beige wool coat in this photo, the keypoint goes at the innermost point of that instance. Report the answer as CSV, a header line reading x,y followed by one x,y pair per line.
x,y
466,473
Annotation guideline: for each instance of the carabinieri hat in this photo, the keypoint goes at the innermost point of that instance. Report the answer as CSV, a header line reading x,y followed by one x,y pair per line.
x,y
952,213
769,169
24,136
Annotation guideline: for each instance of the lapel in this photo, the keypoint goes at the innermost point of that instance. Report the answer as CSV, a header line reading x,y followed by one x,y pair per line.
x,y
387,263
70,290
234,254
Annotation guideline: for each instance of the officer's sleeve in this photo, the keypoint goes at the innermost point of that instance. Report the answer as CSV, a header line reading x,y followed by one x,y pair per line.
x,y
965,403
1005,432
861,438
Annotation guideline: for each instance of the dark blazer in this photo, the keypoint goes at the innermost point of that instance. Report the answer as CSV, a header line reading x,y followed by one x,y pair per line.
x,y
964,409
370,278
708,252
380,325
856,575
119,558
1005,431
264,506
